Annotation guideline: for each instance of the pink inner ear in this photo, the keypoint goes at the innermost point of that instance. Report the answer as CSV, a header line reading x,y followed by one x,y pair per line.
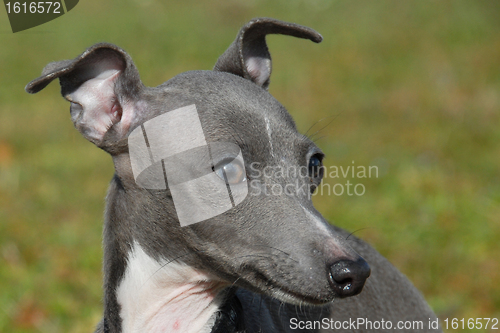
x,y
100,107
259,69
116,112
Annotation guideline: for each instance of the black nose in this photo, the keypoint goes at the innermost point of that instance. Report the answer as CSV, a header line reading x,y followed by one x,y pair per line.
x,y
348,277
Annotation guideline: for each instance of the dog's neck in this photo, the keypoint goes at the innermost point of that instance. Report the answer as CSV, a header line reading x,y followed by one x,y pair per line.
x,y
146,293
166,297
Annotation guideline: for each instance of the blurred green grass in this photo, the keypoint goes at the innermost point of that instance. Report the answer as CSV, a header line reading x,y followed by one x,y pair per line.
x,y
412,87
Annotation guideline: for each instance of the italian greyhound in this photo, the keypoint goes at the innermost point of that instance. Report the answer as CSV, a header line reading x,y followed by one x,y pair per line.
x,y
231,256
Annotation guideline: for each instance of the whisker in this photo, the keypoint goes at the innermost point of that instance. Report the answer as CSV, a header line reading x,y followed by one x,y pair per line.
x,y
316,123
357,231
165,264
319,138
329,123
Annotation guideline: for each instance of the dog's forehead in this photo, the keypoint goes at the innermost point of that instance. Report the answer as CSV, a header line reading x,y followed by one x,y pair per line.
x,y
227,105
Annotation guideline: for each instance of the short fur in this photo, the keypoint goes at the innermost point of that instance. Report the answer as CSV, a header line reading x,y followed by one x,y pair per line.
x,y
267,260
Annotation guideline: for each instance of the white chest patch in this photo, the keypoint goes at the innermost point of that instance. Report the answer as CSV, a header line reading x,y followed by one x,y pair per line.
x,y
166,297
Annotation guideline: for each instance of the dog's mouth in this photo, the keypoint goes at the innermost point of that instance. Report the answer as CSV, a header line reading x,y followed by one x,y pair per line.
x,y
344,278
261,283
288,296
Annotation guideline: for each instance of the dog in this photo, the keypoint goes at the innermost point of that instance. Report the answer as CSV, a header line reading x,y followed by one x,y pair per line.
x,y
192,240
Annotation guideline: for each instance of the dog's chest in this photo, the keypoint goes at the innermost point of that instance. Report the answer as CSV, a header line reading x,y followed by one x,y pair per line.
x,y
166,297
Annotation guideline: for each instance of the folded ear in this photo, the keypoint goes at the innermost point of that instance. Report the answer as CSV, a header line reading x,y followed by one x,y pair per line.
x,y
248,55
102,85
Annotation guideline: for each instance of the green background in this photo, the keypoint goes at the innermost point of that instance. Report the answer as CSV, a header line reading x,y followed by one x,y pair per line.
x,y
410,86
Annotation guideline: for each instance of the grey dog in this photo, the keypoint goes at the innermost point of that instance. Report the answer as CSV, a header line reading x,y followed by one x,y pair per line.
x,y
178,260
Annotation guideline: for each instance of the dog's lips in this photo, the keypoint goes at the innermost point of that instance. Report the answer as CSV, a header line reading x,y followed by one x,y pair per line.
x,y
297,297
266,285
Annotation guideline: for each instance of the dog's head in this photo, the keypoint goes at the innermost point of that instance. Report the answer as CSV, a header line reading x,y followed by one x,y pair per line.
x,y
210,165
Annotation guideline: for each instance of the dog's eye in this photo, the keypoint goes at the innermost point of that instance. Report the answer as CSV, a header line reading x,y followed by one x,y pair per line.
x,y
232,172
315,166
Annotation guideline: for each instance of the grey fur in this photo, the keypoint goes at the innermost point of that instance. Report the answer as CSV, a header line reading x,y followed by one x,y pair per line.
x,y
234,107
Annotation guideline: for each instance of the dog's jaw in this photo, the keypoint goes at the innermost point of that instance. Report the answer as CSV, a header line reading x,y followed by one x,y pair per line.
x,y
166,297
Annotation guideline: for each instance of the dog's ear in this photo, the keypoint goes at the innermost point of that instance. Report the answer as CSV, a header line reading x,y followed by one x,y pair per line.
x,y
102,85
248,55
